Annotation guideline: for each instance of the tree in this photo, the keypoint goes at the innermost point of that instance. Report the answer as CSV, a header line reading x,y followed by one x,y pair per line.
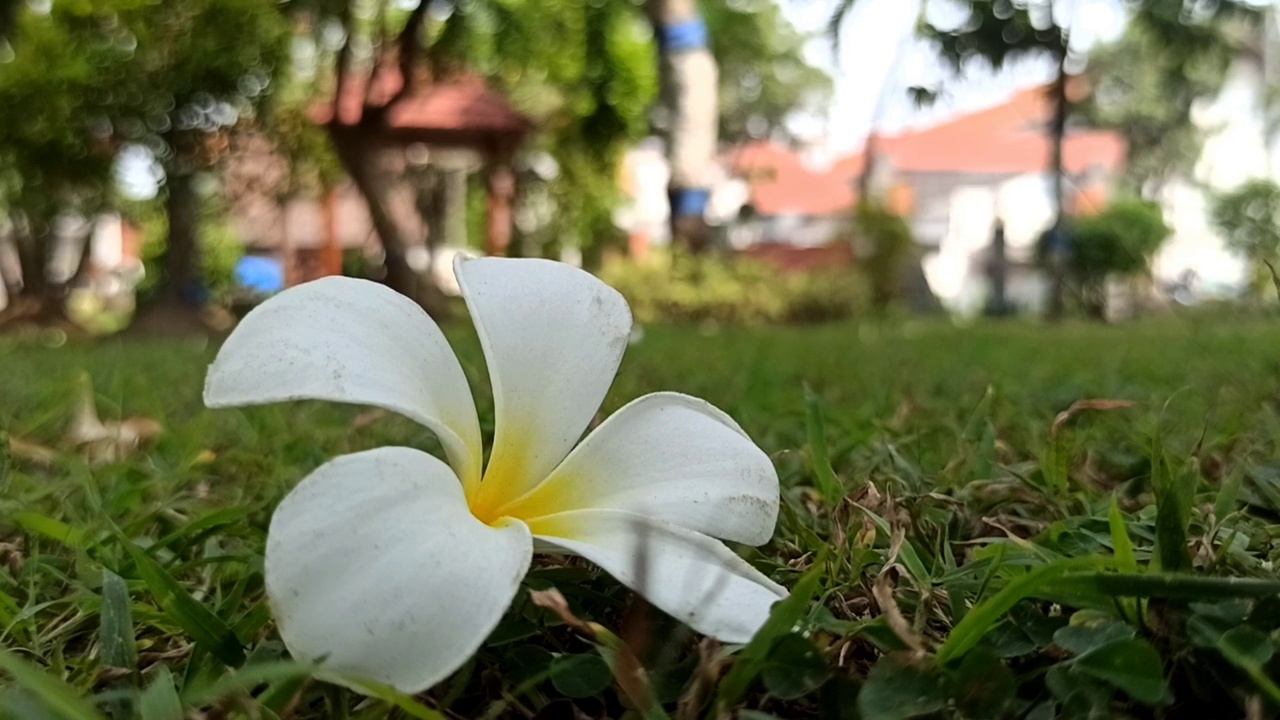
x,y
56,141
88,78
764,76
1249,218
1146,83
891,250
589,95
201,68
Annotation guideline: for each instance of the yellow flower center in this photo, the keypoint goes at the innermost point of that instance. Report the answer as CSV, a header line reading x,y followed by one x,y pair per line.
x,y
495,499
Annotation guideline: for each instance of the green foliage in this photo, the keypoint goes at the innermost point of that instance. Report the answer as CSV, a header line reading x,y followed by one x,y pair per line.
x,y
220,249
890,246
763,73
313,165
199,67
735,291
589,92
1144,88
1117,242
55,100
90,77
1249,219
1120,240
125,586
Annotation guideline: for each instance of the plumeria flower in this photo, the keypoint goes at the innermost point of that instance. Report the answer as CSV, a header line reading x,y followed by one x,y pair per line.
x,y
393,567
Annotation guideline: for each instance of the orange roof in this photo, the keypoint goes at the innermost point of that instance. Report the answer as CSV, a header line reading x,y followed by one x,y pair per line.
x,y
782,184
461,103
1008,138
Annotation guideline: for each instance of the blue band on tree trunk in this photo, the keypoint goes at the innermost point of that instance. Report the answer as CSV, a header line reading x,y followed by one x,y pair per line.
x,y
689,202
688,35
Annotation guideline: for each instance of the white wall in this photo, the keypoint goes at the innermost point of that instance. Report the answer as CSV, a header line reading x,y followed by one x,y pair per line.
x,y
956,272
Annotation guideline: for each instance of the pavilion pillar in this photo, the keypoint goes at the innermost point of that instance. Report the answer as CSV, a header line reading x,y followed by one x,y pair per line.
x,y
331,251
502,193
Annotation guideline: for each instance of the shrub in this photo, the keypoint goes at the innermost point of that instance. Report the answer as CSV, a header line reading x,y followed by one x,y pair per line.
x,y
1119,241
888,246
683,288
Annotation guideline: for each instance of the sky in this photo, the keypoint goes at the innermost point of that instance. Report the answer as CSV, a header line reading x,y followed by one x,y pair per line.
x,y
878,52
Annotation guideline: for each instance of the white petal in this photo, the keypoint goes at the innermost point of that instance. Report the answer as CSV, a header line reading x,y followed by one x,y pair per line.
x,y
691,577
376,568
672,457
350,341
553,336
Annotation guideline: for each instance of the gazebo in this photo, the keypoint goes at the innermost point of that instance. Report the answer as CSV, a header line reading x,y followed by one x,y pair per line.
x,y
458,113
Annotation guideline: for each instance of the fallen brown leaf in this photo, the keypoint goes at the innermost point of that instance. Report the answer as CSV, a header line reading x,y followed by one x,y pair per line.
x,y
882,590
1080,406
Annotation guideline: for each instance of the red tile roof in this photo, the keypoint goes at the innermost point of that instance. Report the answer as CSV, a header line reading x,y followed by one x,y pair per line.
x,y
461,103
1009,138
782,184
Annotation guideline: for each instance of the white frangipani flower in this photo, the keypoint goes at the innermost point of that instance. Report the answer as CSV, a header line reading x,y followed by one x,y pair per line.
x,y
391,566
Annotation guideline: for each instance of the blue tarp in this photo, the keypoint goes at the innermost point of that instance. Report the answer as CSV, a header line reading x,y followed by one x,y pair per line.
x,y
260,274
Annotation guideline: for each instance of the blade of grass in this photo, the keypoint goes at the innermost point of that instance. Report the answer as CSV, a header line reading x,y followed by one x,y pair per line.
x,y
908,554
199,622
970,631
160,700
824,474
115,632
245,679
1229,494
1122,545
1173,491
55,530
1171,585
57,696
411,707
750,661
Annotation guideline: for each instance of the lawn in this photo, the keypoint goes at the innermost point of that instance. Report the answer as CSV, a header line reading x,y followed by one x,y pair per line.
x,y
966,558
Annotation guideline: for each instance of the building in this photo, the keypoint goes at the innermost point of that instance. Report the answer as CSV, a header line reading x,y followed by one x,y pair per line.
x,y
965,176
456,126
954,181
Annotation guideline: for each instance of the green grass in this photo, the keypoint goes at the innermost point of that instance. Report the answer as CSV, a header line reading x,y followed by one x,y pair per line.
x,y
968,565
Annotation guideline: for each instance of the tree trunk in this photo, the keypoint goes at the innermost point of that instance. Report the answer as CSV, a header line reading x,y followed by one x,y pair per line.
x,y
1059,240
364,160
178,303
32,242
689,90
501,184
181,281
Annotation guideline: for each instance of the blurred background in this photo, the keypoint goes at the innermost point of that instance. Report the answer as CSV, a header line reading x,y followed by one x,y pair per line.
x,y
165,165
